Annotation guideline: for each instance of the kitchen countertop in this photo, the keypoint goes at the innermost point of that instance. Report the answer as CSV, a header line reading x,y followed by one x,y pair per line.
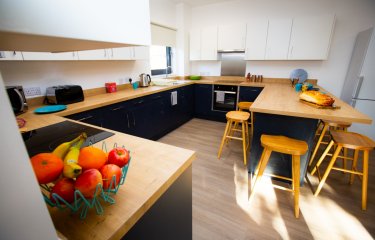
x,y
276,98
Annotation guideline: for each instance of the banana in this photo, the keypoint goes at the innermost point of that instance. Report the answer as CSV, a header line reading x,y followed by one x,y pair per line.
x,y
71,168
63,148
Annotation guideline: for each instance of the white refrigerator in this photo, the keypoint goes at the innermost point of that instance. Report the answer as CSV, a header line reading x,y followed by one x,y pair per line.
x,y
359,86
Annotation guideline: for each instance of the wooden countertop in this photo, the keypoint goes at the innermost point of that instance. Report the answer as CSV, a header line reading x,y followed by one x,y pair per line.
x,y
282,99
276,98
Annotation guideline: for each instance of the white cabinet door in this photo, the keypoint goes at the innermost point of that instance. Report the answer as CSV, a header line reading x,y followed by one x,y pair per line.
x,y
231,37
141,53
195,44
10,56
47,56
209,43
124,53
256,39
100,54
107,23
278,39
311,37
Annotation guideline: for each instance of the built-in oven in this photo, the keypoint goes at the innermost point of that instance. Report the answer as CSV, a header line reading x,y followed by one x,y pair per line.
x,y
224,98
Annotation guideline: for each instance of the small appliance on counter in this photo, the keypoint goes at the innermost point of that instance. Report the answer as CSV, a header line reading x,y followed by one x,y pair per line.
x,y
144,80
64,94
17,99
110,87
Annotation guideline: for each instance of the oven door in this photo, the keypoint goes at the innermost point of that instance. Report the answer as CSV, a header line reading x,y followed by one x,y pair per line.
x,y
224,98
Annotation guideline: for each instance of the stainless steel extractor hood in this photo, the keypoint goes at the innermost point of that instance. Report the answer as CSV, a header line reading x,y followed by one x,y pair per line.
x,y
232,63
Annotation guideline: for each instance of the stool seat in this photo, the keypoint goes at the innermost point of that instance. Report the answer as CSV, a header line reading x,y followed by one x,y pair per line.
x,y
244,105
284,144
238,115
337,124
352,140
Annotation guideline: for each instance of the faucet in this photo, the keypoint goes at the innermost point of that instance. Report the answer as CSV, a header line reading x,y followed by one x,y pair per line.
x,y
166,71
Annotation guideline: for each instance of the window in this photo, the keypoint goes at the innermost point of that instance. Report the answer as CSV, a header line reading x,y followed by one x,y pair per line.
x,y
161,60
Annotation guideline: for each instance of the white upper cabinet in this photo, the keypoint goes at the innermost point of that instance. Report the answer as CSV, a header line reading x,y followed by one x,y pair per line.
x,y
100,54
10,56
278,39
231,37
47,56
256,39
69,25
195,45
209,43
311,37
124,53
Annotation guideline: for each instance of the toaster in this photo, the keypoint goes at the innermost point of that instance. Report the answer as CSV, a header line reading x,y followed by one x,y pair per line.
x,y
64,94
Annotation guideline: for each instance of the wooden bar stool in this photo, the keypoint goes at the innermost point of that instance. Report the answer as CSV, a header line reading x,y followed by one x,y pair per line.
x,y
349,140
327,126
234,118
285,145
245,106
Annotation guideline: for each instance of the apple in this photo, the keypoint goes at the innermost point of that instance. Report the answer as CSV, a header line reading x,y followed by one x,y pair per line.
x,y
65,189
119,156
108,171
86,182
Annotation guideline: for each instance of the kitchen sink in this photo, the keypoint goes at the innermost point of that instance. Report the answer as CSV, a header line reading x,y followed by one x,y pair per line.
x,y
168,82
228,81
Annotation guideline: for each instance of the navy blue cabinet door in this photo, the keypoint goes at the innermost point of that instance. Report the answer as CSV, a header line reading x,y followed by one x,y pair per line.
x,y
117,117
249,94
203,100
94,117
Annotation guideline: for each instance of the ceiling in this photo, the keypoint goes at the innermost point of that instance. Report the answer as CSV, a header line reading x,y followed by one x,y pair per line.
x,y
196,3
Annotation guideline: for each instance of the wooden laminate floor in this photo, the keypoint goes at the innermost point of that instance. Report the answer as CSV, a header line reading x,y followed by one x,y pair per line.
x,y
220,196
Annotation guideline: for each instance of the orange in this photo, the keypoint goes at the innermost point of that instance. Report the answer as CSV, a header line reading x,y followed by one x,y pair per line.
x,y
92,157
47,167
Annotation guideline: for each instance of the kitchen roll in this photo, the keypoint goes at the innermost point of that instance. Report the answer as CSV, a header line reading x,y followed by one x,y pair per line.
x,y
174,98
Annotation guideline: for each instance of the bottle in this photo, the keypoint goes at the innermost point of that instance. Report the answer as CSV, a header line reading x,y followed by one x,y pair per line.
x,y
248,77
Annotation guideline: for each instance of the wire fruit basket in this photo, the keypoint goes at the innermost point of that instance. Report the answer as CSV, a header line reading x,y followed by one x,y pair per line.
x,y
82,203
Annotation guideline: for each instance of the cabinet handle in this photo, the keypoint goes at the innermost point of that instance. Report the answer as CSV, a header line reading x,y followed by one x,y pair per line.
x,y
133,119
105,53
118,108
85,118
157,97
291,52
14,53
140,102
127,118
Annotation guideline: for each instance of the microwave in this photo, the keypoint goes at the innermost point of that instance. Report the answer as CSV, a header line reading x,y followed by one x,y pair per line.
x,y
17,99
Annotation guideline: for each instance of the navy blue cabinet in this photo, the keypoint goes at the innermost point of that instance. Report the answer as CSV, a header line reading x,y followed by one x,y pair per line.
x,y
118,117
94,117
249,94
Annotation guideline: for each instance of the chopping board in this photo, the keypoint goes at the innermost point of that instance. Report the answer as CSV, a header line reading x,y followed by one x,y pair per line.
x,y
333,107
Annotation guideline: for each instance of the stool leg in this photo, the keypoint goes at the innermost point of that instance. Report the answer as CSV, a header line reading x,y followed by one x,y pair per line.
x,y
231,131
345,153
261,167
322,157
244,142
295,177
318,144
330,165
252,124
354,165
229,122
247,135
365,179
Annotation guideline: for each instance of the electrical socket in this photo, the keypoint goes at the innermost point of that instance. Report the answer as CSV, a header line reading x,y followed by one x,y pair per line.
x,y
32,91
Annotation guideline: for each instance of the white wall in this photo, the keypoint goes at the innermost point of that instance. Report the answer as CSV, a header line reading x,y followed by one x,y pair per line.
x,y
88,74
351,18
163,12
183,22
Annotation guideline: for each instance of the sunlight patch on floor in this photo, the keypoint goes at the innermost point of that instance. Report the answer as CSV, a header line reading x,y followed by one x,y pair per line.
x,y
323,211
265,198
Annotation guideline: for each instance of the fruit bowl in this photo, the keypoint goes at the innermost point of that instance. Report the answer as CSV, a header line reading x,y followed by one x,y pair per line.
x,y
82,203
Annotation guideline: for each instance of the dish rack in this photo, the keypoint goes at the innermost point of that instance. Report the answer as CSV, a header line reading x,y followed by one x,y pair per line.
x,y
82,203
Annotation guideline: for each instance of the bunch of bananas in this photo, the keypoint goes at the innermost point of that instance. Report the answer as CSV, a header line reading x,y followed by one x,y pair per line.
x,y
69,152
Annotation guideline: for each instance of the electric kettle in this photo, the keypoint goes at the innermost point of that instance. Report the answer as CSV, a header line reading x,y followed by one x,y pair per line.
x,y
144,80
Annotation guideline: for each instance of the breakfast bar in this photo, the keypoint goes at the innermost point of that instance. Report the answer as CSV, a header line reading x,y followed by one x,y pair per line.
x,y
278,111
